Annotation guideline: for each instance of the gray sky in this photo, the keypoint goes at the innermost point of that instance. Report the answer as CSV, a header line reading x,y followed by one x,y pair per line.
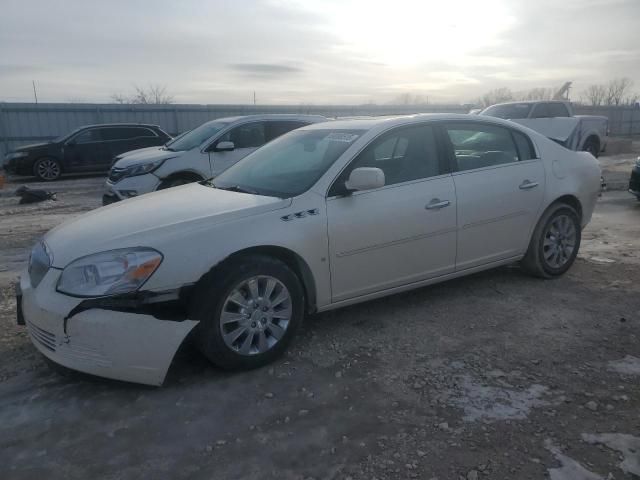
x,y
305,51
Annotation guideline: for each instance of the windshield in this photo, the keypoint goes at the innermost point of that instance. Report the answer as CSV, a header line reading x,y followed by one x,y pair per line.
x,y
508,111
196,137
288,165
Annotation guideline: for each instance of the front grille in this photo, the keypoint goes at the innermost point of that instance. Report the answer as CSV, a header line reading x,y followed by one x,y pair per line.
x,y
43,337
39,263
116,174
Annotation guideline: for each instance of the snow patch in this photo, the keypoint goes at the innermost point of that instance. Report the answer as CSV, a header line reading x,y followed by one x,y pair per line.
x,y
569,469
628,445
629,365
482,402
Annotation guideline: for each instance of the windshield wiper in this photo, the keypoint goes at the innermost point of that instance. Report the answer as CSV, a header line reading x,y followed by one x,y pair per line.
x,y
235,188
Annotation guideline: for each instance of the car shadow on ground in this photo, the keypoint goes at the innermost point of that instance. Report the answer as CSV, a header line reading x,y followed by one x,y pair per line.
x,y
19,180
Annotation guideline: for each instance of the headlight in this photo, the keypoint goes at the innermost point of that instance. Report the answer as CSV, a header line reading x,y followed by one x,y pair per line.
x,y
142,169
11,156
109,273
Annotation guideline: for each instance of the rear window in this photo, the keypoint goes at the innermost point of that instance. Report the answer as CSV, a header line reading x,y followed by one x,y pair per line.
x,y
508,111
525,147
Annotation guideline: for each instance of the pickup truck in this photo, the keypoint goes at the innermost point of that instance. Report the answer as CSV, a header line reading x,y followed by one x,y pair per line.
x,y
555,119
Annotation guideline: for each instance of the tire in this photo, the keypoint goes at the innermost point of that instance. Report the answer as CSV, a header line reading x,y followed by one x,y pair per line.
x,y
592,145
47,169
236,333
546,257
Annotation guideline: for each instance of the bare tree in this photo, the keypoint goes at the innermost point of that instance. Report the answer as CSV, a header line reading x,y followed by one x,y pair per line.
x,y
618,90
409,99
540,93
497,95
119,98
152,95
594,95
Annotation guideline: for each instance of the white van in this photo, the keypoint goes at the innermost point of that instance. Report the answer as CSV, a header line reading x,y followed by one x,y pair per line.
x,y
202,153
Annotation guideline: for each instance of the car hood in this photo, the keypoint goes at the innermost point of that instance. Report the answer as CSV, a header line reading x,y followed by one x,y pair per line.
x,y
145,155
34,146
152,220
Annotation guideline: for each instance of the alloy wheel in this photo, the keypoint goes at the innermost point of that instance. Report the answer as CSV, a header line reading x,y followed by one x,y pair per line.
x,y
559,241
255,315
48,169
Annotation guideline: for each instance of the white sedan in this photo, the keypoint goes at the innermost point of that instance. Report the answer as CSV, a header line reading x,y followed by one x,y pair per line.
x,y
325,216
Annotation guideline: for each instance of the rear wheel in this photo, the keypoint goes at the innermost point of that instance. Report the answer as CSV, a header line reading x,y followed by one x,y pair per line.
x,y
47,169
555,242
248,311
592,145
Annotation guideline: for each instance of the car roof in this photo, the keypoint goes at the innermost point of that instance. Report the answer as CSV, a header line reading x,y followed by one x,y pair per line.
x,y
150,125
271,116
530,102
371,123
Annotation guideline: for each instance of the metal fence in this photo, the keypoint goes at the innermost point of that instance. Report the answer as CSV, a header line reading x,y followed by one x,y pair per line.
x,y
24,123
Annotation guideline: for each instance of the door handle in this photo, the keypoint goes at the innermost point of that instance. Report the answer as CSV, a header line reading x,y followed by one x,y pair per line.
x,y
437,204
526,185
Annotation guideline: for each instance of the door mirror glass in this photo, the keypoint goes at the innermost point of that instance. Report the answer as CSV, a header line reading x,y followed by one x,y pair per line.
x,y
365,178
224,146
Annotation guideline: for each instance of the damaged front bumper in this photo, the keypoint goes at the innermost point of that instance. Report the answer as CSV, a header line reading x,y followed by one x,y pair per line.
x,y
112,341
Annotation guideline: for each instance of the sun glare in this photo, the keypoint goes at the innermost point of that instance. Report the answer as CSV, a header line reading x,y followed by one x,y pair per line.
x,y
411,32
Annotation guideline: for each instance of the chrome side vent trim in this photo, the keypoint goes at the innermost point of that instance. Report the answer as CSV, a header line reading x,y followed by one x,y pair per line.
x,y
300,214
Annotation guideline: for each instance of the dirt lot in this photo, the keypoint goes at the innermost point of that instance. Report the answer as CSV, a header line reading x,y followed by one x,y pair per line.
x,y
497,376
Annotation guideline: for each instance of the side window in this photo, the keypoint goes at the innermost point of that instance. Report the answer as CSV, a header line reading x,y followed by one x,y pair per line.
x,y
88,136
138,132
275,129
403,155
541,110
249,135
557,110
525,147
125,133
478,146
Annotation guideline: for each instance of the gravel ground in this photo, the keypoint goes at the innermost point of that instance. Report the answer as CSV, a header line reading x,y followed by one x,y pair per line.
x,y
497,375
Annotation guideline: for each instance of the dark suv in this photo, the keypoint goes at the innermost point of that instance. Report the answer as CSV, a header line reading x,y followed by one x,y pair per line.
x,y
86,149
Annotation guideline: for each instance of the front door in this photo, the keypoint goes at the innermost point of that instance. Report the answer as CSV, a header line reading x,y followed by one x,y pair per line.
x,y
401,233
86,151
500,187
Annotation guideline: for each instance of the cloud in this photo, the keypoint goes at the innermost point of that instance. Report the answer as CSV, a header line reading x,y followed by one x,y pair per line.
x,y
265,69
296,51
9,69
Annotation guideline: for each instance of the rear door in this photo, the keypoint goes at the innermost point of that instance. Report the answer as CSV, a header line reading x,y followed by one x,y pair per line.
x,y
246,138
499,185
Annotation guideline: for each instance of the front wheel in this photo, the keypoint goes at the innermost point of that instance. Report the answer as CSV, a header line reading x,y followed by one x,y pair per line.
x,y
47,169
248,311
555,242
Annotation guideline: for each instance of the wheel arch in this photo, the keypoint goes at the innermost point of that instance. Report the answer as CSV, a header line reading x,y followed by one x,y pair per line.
x,y
570,200
47,155
592,136
285,255
187,174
